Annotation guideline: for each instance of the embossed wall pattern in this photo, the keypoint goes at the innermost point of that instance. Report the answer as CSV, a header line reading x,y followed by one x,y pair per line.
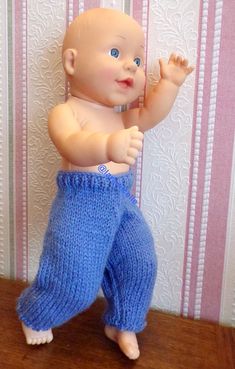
x,y
184,176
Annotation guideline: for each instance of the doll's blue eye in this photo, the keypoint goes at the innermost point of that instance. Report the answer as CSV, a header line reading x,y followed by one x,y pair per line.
x,y
137,61
114,53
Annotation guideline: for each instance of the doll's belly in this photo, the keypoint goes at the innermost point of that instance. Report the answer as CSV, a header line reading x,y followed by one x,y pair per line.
x,y
110,167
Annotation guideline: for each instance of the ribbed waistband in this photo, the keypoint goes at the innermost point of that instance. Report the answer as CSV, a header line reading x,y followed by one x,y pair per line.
x,y
77,180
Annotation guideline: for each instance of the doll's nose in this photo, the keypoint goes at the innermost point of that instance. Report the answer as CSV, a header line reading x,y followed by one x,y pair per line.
x,y
130,65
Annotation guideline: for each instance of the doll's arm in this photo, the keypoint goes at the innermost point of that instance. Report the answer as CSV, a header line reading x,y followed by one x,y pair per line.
x,y
161,97
79,147
86,148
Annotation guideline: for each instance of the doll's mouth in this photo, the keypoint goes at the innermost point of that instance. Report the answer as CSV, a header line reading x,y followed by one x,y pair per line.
x,y
125,83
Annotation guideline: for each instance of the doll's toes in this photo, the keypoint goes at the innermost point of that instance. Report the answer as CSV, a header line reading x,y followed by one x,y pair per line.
x,y
37,337
111,332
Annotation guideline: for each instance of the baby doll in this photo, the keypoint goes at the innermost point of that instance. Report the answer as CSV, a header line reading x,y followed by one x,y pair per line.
x,y
96,236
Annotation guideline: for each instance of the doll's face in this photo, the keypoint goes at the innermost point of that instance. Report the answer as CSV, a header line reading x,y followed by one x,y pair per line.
x,y
109,62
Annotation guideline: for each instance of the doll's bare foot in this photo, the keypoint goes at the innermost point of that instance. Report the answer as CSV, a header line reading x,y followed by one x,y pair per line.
x,y
126,340
37,337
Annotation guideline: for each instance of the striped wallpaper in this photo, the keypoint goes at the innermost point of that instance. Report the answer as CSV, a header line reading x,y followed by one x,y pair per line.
x,y
185,175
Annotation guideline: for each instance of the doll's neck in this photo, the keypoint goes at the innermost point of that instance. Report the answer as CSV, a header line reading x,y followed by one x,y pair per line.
x,y
92,104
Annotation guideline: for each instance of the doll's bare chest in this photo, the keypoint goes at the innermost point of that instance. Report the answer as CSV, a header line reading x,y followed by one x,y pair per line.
x,y
97,119
100,122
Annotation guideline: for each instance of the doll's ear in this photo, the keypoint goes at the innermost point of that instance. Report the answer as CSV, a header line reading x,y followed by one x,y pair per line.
x,y
69,58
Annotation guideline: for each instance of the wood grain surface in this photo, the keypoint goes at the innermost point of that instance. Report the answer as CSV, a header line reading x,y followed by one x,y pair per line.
x,y
168,342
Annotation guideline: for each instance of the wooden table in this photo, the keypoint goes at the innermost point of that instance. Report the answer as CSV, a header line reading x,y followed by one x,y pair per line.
x,y
168,342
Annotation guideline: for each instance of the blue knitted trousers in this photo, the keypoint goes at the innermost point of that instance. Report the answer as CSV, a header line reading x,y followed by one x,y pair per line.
x,y
96,237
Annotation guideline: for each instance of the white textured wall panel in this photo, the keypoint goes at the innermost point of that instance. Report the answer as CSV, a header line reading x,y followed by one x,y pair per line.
x,y
46,86
173,27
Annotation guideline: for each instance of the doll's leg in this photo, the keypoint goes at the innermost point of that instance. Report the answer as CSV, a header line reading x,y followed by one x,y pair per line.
x,y
128,282
77,243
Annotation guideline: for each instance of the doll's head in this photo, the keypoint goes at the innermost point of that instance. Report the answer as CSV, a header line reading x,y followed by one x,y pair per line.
x,y
103,56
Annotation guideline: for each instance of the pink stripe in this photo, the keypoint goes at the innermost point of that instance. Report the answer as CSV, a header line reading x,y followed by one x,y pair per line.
x,y
66,87
75,8
137,10
192,159
88,4
221,169
202,163
19,127
137,13
202,159
75,4
67,14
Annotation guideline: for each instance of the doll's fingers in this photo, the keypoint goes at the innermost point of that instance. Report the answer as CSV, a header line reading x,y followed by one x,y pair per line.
x,y
162,62
172,58
179,60
185,62
136,144
190,69
133,153
137,135
130,161
133,128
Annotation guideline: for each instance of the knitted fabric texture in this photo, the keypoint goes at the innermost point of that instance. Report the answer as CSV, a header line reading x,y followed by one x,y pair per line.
x,y
95,237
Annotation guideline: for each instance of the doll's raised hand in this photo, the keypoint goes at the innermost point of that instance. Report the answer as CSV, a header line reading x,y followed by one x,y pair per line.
x,y
161,96
176,70
123,146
